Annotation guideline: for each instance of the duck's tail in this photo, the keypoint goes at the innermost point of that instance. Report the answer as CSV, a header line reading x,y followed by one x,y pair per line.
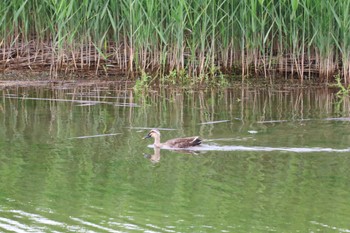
x,y
196,141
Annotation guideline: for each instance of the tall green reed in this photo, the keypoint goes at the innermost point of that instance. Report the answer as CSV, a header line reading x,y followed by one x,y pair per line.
x,y
302,38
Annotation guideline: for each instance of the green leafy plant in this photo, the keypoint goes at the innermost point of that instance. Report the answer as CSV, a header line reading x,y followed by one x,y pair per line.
x,y
142,82
343,90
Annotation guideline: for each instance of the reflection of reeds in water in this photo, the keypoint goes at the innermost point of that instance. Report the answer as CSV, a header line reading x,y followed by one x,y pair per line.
x,y
56,110
190,112
176,109
110,110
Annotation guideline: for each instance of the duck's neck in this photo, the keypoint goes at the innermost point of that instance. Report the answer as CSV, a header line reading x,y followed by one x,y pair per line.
x,y
157,141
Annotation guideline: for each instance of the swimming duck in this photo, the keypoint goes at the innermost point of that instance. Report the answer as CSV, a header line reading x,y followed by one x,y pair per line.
x,y
173,143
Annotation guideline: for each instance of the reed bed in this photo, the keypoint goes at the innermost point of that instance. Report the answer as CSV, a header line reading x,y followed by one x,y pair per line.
x,y
299,38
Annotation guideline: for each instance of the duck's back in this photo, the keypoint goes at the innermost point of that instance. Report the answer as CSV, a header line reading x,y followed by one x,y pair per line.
x,y
183,142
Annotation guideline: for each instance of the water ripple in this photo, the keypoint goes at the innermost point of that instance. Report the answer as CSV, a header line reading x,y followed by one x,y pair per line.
x,y
13,225
90,224
205,147
36,217
330,227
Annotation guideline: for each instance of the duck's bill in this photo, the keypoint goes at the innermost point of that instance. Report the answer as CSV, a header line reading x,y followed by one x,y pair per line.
x,y
148,136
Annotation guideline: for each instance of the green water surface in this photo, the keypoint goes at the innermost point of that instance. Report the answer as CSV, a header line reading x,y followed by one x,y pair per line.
x,y
72,159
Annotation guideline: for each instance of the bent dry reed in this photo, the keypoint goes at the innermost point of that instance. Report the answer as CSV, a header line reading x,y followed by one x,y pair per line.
x,y
256,37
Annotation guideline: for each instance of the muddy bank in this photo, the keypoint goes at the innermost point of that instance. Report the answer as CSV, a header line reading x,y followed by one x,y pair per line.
x,y
43,78
25,78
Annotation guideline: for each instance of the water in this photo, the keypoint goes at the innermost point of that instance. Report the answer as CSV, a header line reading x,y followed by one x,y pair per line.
x,y
72,159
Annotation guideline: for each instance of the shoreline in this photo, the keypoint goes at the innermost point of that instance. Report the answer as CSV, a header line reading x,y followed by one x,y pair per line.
x,y
30,78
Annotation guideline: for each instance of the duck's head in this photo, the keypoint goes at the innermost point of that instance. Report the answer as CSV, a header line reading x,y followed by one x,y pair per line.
x,y
152,134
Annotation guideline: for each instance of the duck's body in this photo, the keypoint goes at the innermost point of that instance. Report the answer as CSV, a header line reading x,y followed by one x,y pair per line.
x,y
173,143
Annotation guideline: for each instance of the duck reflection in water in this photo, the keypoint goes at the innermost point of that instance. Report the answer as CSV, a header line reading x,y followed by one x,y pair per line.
x,y
155,157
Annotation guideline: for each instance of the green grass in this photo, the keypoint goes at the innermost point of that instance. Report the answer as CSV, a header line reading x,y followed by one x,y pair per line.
x,y
257,37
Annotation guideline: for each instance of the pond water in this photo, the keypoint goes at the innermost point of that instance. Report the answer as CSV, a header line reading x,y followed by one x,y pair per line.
x,y
72,159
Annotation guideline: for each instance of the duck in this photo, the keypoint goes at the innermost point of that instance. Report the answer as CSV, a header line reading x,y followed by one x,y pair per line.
x,y
176,143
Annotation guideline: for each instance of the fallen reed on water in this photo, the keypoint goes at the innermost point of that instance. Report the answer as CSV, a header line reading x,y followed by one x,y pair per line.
x,y
302,38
